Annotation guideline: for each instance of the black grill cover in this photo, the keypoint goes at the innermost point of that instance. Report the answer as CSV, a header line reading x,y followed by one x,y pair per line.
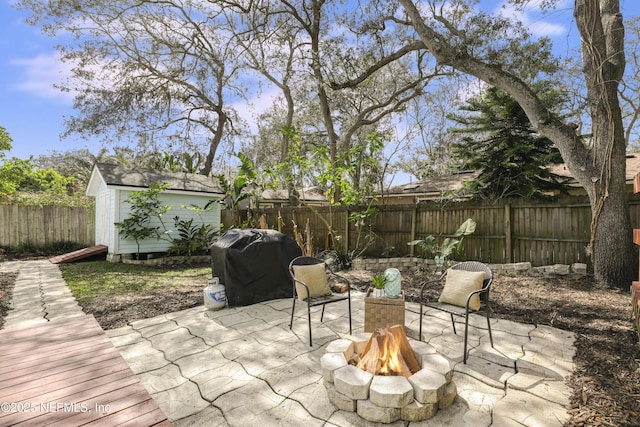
x,y
253,265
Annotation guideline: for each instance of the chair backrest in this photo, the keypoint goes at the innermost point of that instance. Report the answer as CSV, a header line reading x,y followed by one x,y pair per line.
x,y
478,266
316,285
304,260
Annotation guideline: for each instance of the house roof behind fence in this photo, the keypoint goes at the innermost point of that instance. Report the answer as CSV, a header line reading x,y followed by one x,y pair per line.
x,y
120,176
633,168
437,186
308,194
432,187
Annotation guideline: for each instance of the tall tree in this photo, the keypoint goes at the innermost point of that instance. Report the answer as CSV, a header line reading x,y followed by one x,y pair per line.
x,y
161,70
428,139
476,46
341,79
499,142
272,46
5,142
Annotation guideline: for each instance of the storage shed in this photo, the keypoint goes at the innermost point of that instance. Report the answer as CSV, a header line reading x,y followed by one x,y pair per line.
x,y
112,184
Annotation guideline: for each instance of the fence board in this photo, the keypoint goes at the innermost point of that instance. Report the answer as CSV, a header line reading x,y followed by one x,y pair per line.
x,y
41,227
507,231
542,232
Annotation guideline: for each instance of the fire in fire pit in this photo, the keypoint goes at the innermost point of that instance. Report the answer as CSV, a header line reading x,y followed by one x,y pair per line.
x,y
386,377
387,352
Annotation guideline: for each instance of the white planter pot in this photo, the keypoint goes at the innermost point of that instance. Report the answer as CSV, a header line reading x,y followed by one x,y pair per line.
x,y
378,293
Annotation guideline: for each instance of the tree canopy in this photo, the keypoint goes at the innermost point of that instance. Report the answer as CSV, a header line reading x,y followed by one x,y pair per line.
x,y
512,159
5,141
476,45
173,75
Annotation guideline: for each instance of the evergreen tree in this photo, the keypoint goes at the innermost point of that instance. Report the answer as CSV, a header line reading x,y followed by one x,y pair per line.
x,y
512,159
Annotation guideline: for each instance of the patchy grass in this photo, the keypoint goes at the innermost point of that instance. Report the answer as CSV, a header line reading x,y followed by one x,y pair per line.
x,y
94,280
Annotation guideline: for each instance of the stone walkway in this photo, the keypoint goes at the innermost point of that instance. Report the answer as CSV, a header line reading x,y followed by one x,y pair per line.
x,y
242,366
40,294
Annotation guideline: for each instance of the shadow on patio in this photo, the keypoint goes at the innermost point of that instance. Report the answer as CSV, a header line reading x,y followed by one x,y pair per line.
x,y
243,366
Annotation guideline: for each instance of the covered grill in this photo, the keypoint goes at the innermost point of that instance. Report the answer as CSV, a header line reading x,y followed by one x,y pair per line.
x,y
253,265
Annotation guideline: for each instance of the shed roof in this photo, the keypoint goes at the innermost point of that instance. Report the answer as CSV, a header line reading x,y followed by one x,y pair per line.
x,y
120,176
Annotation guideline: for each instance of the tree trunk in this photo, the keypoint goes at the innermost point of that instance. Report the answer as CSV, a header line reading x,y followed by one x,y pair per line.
x,y
613,254
323,97
292,192
602,34
600,170
215,142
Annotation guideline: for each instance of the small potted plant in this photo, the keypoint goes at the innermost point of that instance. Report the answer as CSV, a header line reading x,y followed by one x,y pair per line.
x,y
379,281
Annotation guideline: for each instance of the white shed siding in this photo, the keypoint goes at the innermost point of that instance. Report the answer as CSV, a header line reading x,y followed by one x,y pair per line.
x,y
114,212
180,204
103,219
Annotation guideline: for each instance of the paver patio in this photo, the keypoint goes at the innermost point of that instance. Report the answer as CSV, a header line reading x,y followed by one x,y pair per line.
x,y
242,366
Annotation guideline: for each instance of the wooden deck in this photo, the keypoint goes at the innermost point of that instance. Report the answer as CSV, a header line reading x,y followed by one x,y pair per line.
x,y
68,373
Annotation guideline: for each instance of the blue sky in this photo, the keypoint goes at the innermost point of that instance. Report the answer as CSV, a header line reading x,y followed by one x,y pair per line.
x,y
30,109
33,111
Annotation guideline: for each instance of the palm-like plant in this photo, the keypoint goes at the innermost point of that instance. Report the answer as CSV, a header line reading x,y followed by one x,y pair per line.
x,y
450,245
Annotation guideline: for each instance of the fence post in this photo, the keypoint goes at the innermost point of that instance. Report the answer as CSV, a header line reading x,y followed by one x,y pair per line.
x,y
346,229
414,219
507,233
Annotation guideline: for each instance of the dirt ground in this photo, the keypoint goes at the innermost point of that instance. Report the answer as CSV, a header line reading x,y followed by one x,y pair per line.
x,y
6,288
606,383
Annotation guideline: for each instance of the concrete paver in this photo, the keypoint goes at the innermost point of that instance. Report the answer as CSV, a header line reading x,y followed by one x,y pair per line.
x,y
243,366
40,294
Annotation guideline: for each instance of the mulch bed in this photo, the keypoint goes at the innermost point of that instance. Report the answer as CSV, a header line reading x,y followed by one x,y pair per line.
x,y
6,289
606,382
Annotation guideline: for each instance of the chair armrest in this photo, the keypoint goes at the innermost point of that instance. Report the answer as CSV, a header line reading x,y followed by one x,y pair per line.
x,y
471,294
295,290
428,282
342,279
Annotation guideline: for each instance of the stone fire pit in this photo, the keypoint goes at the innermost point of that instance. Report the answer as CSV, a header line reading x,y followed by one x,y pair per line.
x,y
385,399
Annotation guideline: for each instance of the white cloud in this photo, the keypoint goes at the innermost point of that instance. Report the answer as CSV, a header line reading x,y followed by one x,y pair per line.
x,y
40,74
546,29
259,102
535,19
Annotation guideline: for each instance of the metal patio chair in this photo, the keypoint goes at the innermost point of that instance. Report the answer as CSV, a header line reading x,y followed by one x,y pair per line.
x,y
310,277
466,301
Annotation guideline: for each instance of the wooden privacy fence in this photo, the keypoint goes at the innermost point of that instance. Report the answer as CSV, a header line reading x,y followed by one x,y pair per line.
x,y
542,233
41,227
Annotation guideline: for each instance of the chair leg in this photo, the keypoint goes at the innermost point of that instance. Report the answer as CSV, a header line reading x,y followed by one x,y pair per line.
x,y
489,327
466,335
453,322
350,330
420,329
309,320
293,308
322,314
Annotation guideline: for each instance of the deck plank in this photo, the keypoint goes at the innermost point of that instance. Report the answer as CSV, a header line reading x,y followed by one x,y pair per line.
x,y
67,372
34,361
79,254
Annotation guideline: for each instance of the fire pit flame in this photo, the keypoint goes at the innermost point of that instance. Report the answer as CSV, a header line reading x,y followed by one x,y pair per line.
x,y
388,352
